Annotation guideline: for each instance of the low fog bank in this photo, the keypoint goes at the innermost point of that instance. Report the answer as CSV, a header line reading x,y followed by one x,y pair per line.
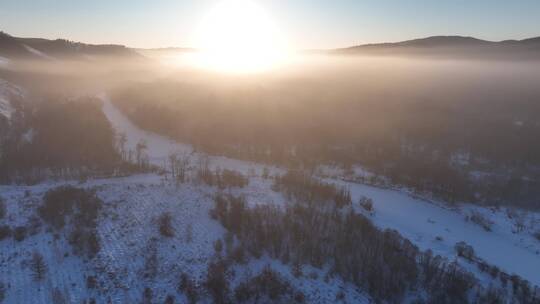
x,y
323,77
426,124
430,124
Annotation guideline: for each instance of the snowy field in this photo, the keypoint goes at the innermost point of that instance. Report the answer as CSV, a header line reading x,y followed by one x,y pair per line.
x,y
129,232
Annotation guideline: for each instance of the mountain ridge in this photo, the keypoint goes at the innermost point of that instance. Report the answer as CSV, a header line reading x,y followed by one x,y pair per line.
x,y
450,47
12,47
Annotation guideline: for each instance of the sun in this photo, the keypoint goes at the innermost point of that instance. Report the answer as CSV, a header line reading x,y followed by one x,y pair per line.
x,y
238,36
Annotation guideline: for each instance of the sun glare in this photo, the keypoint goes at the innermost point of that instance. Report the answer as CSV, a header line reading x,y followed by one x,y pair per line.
x,y
238,36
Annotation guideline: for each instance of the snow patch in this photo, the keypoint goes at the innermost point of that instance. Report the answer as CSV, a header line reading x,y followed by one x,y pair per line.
x,y
8,92
38,53
4,62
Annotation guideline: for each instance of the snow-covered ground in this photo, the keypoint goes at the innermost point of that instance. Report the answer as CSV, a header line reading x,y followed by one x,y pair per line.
x,y
434,227
127,229
428,225
128,232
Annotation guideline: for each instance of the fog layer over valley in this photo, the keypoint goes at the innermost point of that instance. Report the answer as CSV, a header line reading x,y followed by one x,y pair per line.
x,y
130,178
429,124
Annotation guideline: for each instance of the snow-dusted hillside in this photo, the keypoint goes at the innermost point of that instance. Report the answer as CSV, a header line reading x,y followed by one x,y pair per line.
x,y
8,92
37,52
128,231
4,62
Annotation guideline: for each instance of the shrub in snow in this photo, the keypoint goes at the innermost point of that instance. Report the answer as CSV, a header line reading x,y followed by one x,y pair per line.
x,y
216,282
218,246
479,219
19,233
151,262
58,297
299,297
340,296
464,250
85,241
169,299
2,208
537,235
366,203
188,287
38,266
91,282
147,295
165,227
267,287
238,254
5,232
494,271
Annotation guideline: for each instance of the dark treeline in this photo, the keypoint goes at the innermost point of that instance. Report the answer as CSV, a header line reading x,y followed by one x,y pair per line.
x,y
222,178
58,138
302,187
318,230
430,140
74,211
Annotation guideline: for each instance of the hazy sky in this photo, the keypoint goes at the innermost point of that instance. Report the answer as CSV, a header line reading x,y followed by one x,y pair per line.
x,y
307,23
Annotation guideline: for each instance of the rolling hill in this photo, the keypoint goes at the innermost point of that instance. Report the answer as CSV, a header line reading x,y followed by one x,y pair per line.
x,y
14,48
451,47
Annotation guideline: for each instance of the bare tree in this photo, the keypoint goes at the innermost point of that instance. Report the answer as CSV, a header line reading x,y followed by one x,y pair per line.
x,y
182,166
2,291
140,149
38,266
58,297
122,140
188,233
173,160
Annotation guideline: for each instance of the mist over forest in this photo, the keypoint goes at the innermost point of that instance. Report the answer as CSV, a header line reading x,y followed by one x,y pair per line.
x,y
409,119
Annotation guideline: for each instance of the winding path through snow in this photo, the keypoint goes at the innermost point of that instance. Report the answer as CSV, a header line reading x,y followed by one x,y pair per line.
x,y
159,147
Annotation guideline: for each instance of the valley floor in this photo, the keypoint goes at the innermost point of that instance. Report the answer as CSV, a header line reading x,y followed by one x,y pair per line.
x,y
128,231
430,225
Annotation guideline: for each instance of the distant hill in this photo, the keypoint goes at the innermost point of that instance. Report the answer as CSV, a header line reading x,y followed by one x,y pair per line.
x,y
14,48
451,47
